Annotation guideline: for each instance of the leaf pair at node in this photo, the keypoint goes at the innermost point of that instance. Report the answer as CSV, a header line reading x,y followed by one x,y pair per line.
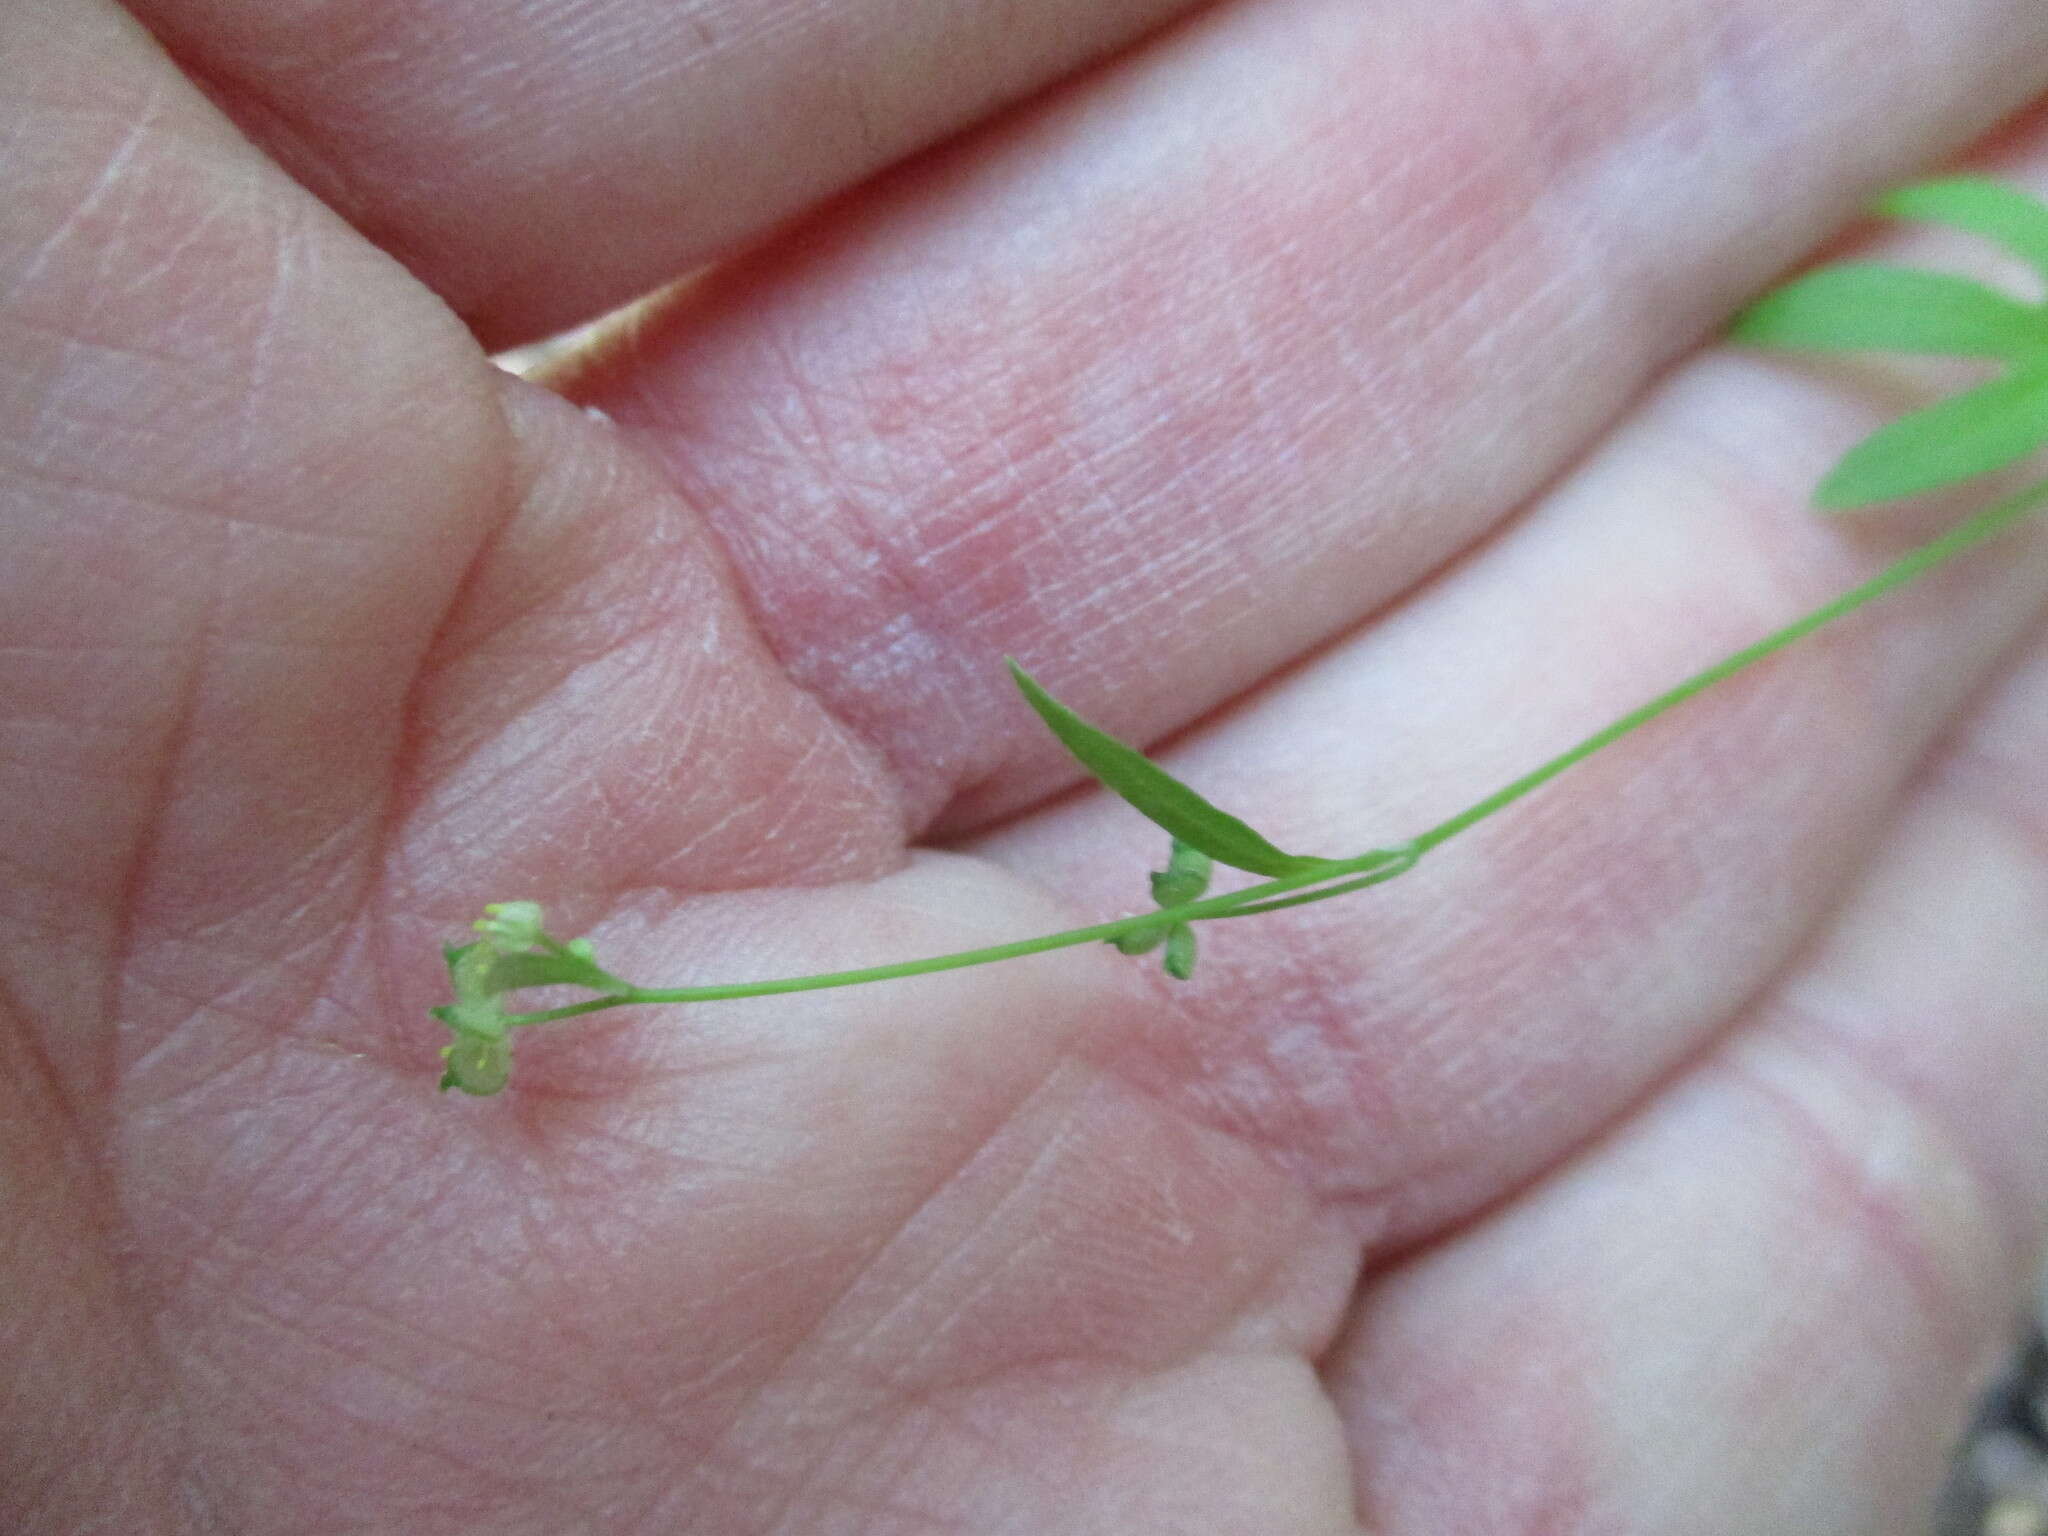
x,y
1184,879
1203,835
1866,306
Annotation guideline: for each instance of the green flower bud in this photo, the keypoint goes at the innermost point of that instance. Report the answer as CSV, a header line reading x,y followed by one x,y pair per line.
x,y
510,927
477,1063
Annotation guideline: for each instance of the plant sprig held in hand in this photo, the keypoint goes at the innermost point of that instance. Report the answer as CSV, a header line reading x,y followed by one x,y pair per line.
x,y
1845,307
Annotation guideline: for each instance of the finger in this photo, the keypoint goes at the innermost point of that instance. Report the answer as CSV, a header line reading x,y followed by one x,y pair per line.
x,y
540,166
178,434
1426,1046
1764,1303
260,485
1157,397
241,445
253,470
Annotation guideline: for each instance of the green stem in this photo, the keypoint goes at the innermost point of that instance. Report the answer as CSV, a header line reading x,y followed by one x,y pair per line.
x,y
1337,877
1194,911
1987,524
1387,863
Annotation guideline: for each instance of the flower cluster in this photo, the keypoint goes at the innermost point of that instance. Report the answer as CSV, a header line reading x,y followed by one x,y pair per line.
x,y
513,950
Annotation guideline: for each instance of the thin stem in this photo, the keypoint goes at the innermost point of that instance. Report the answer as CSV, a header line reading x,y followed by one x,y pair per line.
x,y
1338,877
1194,911
1987,524
1404,860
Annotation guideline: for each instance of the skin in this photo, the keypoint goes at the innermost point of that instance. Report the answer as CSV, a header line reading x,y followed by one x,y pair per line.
x,y
1324,394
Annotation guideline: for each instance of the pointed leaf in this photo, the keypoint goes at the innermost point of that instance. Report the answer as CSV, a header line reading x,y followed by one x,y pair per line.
x,y
1156,793
1980,207
1862,307
1969,434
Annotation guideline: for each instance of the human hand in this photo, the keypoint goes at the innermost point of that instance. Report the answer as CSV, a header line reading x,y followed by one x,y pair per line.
x,y
1317,386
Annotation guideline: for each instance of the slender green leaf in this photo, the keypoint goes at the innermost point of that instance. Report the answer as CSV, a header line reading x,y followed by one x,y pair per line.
x,y
1969,434
1980,207
1156,793
1862,307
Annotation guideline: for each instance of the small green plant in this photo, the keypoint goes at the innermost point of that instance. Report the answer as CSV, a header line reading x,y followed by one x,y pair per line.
x,y
1847,307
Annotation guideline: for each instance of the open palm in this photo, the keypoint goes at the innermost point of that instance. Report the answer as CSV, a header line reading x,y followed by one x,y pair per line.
x,y
1310,386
